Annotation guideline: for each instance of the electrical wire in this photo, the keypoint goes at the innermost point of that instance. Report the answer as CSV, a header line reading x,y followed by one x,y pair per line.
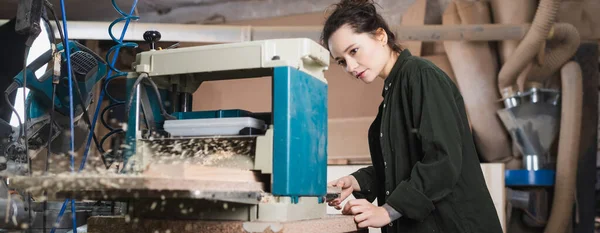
x,y
48,149
49,144
25,108
24,128
139,80
12,107
85,113
127,18
71,108
54,83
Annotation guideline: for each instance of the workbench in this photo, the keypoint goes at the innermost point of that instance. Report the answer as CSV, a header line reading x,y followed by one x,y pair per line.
x,y
122,224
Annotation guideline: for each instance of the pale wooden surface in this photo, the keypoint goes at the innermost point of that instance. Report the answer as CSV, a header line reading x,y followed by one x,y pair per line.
x,y
200,172
329,224
415,15
493,173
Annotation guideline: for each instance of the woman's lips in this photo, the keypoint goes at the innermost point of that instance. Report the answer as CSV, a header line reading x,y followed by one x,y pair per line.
x,y
360,75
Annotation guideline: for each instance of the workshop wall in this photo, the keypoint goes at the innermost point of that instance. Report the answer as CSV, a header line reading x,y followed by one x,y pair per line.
x,y
352,104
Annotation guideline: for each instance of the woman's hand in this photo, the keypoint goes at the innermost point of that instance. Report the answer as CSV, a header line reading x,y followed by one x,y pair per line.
x,y
348,184
366,214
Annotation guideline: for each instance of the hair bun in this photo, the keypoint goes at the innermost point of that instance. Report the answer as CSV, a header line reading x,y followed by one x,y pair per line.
x,y
354,3
365,6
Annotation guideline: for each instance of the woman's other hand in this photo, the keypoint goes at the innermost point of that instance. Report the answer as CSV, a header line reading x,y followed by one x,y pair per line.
x,y
366,214
348,184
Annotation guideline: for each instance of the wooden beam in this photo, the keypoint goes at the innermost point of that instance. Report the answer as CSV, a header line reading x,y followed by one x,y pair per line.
x,y
415,16
80,30
194,11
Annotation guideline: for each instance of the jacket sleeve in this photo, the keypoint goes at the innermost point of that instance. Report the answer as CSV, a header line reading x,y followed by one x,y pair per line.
x,y
367,182
437,122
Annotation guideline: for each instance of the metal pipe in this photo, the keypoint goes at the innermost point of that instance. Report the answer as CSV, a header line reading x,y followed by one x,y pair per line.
x,y
185,101
12,213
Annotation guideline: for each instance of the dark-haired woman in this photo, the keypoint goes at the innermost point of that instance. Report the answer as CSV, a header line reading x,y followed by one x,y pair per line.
x,y
426,173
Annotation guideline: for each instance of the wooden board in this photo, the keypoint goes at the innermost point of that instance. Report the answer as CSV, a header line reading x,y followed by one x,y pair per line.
x,y
493,173
135,185
200,172
415,15
329,224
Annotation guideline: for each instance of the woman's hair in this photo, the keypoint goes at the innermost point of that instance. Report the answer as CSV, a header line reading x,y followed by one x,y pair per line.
x,y
361,16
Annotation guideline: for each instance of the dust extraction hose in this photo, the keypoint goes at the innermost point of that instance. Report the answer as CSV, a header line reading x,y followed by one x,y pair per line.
x,y
568,40
568,148
530,45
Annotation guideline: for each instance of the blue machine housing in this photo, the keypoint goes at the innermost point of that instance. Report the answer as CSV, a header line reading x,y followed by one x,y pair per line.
x,y
40,97
299,117
299,134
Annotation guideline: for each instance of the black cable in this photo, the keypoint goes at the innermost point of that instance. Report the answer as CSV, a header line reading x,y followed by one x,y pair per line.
x,y
62,39
26,140
112,132
48,149
60,32
48,146
49,28
104,112
142,77
85,113
86,117
7,99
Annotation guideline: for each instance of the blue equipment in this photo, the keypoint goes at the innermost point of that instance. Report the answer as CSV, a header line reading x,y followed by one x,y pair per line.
x,y
289,143
88,69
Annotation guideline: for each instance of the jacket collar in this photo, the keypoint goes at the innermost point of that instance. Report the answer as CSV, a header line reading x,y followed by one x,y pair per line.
x,y
404,54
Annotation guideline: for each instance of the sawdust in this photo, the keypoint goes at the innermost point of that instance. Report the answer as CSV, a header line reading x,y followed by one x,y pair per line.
x,y
215,152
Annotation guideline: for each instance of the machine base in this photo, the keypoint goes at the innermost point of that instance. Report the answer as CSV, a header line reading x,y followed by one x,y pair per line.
x,y
283,210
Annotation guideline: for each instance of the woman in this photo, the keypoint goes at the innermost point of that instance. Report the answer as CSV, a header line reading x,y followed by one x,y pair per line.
x,y
426,173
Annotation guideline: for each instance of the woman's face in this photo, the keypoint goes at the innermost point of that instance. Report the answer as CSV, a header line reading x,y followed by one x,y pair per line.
x,y
363,55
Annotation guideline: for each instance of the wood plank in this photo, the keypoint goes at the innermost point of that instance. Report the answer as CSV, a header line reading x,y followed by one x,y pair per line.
x,y
348,138
200,172
66,183
415,15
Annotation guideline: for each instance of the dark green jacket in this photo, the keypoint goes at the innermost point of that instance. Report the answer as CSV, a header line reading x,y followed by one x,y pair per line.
x,y
424,160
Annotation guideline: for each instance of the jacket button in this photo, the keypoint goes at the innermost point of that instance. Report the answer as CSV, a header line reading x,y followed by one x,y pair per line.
x,y
391,224
383,105
384,163
380,134
387,193
386,88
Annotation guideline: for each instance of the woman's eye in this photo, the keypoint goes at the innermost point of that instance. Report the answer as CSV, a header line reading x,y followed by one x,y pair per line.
x,y
341,62
353,51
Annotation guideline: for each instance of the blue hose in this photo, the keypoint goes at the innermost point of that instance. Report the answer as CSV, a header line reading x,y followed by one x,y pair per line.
x,y
71,108
127,18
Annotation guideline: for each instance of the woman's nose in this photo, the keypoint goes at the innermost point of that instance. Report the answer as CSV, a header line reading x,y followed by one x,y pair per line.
x,y
351,68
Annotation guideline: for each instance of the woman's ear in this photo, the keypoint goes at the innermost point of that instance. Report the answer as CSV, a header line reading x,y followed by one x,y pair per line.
x,y
381,36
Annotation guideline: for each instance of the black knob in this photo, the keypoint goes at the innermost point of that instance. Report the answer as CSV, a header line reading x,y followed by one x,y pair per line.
x,y
152,37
